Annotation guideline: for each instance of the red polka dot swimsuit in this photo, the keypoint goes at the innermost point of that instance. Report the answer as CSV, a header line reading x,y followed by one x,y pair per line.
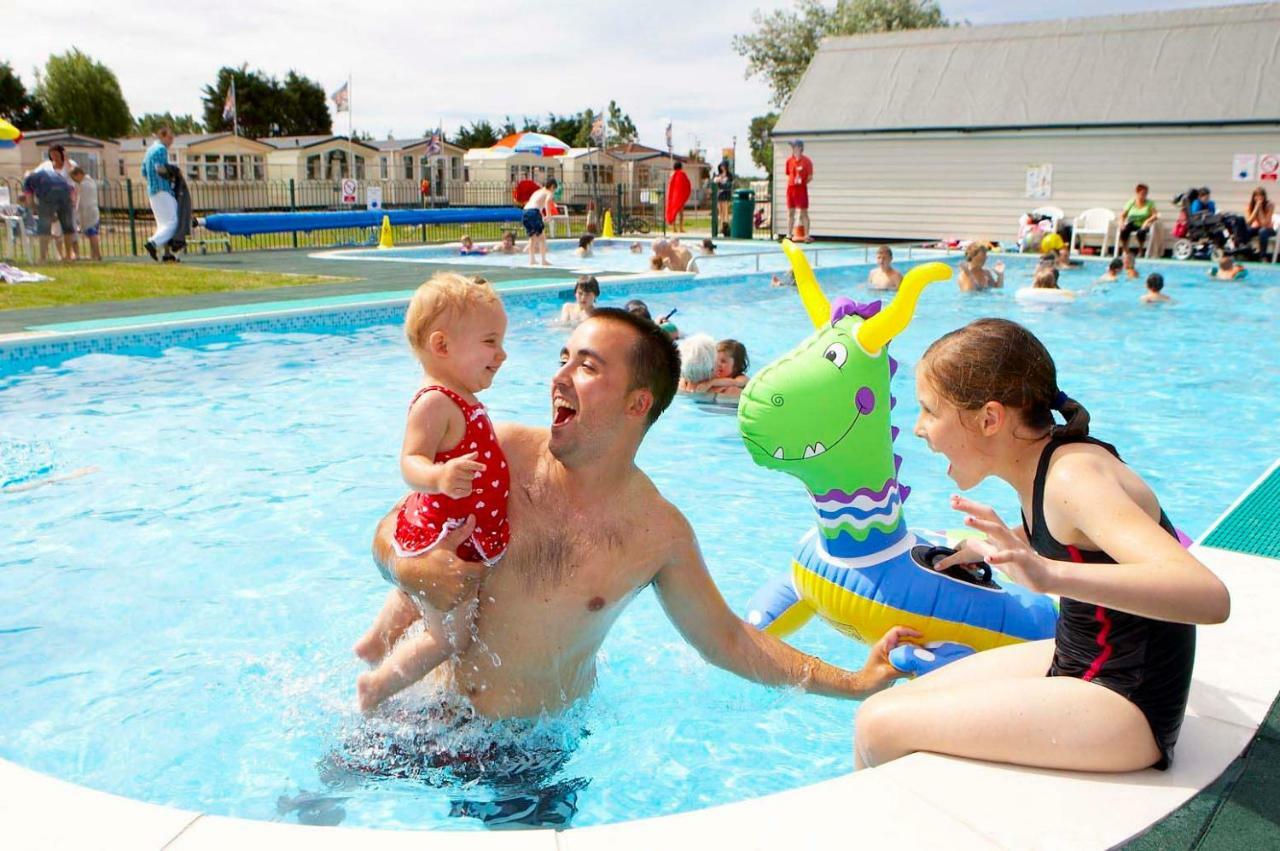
x,y
426,517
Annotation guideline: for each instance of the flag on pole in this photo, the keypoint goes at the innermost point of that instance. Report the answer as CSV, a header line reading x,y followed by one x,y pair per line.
x,y
597,130
668,135
435,143
341,100
229,105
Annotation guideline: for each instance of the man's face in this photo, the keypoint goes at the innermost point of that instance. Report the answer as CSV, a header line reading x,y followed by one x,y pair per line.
x,y
165,137
57,158
590,399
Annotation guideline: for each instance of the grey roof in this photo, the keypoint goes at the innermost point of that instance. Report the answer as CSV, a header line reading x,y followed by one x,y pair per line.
x,y
404,144
181,140
62,135
1216,65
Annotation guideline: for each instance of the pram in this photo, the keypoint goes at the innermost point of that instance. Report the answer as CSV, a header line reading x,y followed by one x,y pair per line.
x,y
1206,233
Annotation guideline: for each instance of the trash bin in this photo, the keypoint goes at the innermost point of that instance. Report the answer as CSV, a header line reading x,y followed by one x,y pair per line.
x,y
744,208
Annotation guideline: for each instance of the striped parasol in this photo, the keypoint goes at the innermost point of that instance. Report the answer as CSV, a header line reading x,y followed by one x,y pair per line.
x,y
10,136
534,143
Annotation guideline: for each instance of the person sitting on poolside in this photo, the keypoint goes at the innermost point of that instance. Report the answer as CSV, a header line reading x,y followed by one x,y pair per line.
x,y
1228,269
973,274
508,245
585,293
1113,271
589,533
1155,288
1130,263
674,255
786,279
584,245
884,276
708,248
469,247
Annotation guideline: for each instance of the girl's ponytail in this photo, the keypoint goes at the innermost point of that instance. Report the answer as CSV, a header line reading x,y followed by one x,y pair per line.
x,y
1074,413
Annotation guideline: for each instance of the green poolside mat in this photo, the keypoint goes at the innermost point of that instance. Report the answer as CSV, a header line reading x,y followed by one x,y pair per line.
x,y
1253,527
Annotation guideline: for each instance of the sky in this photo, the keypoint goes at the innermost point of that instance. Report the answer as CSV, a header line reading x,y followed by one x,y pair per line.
x,y
415,64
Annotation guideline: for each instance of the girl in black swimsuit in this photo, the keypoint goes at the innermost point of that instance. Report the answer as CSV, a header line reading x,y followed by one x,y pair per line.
x,y
1092,533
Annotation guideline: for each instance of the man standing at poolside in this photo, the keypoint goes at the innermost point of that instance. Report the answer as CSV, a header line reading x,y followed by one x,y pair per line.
x,y
589,531
799,173
164,203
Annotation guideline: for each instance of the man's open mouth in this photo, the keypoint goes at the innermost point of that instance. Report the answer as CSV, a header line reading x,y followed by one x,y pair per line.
x,y
562,412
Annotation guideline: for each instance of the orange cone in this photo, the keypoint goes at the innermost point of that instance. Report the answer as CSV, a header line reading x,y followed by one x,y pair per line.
x,y
799,234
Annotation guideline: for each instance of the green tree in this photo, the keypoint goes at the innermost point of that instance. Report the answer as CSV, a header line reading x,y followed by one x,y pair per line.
x,y
759,140
581,136
145,125
304,107
621,128
84,95
480,134
562,126
507,127
255,103
19,108
785,41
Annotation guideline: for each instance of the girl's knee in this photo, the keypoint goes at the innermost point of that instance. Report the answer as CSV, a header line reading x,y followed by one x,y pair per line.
x,y
876,730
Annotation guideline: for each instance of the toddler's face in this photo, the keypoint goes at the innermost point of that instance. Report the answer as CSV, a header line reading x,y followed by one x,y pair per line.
x,y
476,346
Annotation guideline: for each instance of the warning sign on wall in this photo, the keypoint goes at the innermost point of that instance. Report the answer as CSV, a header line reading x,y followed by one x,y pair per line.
x,y
1268,166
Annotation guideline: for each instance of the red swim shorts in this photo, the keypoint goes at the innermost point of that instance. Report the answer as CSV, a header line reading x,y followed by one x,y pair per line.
x,y
797,197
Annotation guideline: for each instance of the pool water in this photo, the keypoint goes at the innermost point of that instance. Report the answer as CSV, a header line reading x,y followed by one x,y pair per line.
x,y
615,255
177,624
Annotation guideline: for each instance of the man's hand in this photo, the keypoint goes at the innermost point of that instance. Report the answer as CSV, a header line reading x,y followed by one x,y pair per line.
x,y
879,672
439,575
458,475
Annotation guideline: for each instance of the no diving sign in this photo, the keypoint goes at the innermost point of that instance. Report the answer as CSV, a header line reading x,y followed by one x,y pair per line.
x,y
348,191
1268,166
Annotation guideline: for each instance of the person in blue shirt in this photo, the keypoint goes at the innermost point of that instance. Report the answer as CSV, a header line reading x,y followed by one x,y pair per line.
x,y
164,204
50,192
1202,204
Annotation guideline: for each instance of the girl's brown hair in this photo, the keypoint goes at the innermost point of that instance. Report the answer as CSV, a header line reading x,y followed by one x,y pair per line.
x,y
738,352
995,360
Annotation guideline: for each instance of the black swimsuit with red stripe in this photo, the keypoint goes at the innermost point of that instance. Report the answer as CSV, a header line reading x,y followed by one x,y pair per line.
x,y
1144,660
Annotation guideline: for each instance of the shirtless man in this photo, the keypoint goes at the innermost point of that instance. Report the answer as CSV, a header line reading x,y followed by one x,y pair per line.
x,y
884,276
589,531
674,255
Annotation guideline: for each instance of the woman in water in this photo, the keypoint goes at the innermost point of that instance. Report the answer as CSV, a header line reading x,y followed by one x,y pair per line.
x,y
973,273
1109,692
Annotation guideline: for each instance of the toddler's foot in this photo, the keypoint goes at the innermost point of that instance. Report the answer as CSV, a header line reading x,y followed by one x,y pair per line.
x,y
370,648
369,692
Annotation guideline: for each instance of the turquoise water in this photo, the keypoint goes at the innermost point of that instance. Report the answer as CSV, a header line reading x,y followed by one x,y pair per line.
x,y
615,255
176,626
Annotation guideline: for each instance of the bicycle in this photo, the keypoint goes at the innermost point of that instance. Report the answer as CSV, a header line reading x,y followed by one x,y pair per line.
x,y
632,222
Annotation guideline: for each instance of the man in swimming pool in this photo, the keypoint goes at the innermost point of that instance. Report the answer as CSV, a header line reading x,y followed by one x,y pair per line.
x,y
589,531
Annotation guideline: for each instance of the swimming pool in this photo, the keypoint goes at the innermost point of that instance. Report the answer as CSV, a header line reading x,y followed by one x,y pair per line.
x,y
615,255
177,625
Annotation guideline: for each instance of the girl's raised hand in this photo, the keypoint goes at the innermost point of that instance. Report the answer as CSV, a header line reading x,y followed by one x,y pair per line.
x,y
1002,548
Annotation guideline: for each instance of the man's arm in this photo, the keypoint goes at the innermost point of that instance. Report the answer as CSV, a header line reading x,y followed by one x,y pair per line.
x,y
693,603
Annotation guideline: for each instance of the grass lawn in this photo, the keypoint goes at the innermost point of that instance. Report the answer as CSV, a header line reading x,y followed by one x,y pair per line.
x,y
81,283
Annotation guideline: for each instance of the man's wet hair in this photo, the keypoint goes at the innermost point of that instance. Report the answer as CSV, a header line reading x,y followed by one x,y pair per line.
x,y
655,360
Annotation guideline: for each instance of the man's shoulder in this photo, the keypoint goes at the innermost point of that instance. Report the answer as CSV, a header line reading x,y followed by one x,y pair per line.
x,y
518,439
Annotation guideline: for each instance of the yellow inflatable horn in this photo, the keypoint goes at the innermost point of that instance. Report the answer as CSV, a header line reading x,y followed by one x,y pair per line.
x,y
815,303
874,333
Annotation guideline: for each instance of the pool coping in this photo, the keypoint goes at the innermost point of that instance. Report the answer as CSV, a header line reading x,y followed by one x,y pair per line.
x,y
921,800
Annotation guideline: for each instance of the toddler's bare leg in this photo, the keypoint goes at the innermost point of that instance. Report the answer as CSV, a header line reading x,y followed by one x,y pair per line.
x,y
398,614
415,657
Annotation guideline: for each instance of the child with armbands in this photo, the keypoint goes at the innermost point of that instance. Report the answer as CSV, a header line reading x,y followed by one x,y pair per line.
x,y
456,470
1092,532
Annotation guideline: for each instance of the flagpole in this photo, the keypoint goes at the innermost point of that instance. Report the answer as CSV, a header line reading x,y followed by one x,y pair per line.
x,y
351,160
235,110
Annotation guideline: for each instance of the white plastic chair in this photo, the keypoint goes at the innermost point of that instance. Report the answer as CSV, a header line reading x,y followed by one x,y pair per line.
x,y
1096,221
1055,215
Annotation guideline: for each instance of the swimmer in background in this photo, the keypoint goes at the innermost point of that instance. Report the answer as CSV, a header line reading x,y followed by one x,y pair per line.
x,y
1228,270
637,248
786,279
585,293
973,274
730,374
708,248
1063,259
1045,279
1155,288
508,245
674,256
1114,268
468,246
584,245
883,276
636,307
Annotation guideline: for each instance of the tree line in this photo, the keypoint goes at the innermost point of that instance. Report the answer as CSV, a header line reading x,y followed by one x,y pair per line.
x,y
77,92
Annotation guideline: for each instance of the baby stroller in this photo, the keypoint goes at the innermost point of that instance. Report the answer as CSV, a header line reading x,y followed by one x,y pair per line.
x,y
1206,233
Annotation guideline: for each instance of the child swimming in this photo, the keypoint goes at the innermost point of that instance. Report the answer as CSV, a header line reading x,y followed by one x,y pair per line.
x,y
1154,294
468,246
585,293
1093,532
1114,268
451,459
1228,270
584,245
884,276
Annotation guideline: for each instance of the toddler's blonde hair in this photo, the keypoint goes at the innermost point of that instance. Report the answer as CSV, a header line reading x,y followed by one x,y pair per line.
x,y
441,300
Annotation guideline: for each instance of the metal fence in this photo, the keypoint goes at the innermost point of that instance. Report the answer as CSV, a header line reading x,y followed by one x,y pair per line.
x,y
127,221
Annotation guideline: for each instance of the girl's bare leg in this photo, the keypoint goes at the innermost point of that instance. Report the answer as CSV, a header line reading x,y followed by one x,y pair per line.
x,y
999,706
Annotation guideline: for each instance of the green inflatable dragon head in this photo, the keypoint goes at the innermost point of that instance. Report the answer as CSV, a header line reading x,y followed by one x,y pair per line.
x,y
821,412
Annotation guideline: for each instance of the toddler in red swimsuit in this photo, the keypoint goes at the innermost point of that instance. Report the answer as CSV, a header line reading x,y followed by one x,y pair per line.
x,y
452,461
